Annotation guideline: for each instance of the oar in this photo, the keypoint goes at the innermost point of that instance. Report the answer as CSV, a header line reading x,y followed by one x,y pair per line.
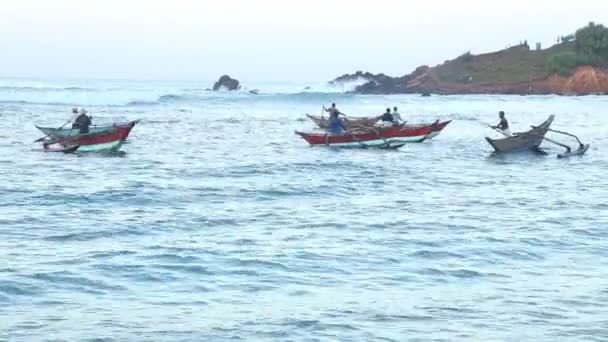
x,y
44,137
497,130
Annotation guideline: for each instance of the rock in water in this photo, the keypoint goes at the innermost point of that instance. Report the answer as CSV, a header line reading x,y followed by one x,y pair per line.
x,y
226,82
368,83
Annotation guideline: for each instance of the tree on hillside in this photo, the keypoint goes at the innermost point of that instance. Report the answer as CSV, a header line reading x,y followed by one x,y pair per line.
x,y
592,45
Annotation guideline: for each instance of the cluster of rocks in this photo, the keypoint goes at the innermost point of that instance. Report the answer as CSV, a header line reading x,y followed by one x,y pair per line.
x,y
226,83
230,84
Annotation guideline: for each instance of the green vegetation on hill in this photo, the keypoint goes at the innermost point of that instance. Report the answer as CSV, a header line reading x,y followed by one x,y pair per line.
x,y
521,64
591,48
512,65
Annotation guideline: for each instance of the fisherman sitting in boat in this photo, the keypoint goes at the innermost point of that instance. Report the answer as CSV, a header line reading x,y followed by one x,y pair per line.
x,y
82,122
503,125
396,116
387,119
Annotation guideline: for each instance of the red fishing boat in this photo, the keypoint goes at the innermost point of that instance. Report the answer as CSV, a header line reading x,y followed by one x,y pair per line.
x,y
437,128
375,136
108,140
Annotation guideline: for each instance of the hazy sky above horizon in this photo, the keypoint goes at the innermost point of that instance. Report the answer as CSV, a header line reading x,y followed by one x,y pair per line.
x,y
268,40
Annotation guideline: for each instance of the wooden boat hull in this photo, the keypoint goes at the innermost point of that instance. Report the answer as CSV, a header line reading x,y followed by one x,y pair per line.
x,y
110,141
112,146
349,123
70,132
372,136
437,128
59,147
529,140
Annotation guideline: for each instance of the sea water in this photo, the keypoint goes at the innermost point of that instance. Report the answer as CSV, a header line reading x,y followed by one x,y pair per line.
x,y
219,223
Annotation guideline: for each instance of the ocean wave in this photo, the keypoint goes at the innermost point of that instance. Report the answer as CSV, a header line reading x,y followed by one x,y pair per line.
x,y
67,279
166,99
36,103
141,103
10,288
346,86
49,89
242,97
93,235
171,98
426,254
173,258
138,99
169,121
194,269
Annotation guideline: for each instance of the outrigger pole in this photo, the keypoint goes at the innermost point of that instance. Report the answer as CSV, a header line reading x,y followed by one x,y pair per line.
x,y
582,148
568,149
568,134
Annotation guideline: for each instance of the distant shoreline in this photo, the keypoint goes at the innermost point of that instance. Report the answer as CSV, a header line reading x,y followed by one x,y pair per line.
x,y
576,65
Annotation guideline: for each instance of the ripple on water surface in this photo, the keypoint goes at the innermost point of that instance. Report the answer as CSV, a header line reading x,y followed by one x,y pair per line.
x,y
212,230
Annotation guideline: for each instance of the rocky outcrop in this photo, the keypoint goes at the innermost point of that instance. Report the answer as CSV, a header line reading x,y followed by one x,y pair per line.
x,y
226,83
584,80
364,82
383,84
514,70
360,76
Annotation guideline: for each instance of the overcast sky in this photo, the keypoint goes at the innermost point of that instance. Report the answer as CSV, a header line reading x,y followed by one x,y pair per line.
x,y
268,40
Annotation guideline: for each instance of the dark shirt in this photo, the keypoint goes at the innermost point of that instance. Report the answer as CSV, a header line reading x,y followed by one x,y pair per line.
x,y
387,117
83,122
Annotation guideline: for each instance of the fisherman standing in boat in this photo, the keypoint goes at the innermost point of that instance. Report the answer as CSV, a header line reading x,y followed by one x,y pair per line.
x,y
74,116
335,124
82,122
332,110
503,125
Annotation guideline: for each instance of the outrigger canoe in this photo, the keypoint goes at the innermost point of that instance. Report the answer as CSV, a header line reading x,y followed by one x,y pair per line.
x,y
582,148
374,136
111,140
349,123
354,123
529,140
69,132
